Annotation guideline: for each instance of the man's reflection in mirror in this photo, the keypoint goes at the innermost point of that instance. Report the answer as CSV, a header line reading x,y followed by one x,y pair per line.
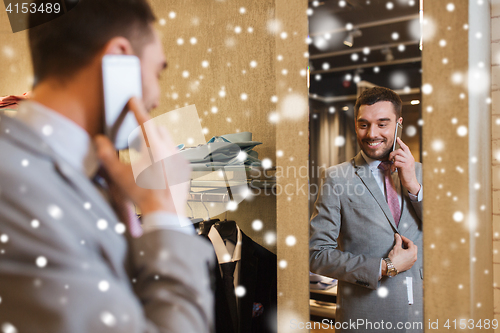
x,y
366,228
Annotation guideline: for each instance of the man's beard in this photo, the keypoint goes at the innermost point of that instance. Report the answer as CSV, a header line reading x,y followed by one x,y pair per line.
x,y
382,157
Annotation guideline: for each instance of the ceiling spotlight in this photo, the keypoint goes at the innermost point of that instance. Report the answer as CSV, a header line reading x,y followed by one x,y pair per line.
x,y
349,40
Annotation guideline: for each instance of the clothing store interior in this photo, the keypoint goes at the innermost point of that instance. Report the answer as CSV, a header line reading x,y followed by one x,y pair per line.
x,y
256,91
356,44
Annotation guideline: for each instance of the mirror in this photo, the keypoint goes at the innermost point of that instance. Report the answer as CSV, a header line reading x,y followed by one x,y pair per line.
x,y
355,46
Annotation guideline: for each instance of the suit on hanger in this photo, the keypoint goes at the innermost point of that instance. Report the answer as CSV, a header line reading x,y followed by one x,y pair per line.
x,y
62,271
352,228
257,309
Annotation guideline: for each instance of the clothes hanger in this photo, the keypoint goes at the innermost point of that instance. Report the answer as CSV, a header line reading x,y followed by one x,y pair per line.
x,y
195,221
192,218
227,228
204,226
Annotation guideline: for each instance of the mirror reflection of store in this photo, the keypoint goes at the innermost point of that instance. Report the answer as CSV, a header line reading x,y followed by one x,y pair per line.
x,y
354,45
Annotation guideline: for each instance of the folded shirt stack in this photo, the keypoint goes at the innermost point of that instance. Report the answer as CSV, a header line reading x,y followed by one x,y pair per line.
x,y
225,150
320,282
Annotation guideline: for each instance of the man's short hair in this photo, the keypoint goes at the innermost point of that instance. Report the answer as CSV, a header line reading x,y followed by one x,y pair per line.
x,y
63,46
379,94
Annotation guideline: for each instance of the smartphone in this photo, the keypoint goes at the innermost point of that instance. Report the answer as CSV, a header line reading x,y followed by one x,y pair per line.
x,y
397,134
121,76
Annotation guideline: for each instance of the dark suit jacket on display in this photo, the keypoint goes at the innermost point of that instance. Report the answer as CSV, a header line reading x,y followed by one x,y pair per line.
x,y
352,228
257,309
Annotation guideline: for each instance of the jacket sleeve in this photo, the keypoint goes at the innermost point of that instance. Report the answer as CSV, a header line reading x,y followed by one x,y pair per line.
x,y
324,256
67,284
171,277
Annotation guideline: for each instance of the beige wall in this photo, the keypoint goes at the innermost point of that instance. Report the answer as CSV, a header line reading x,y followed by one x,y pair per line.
x,y
458,278
293,140
15,62
495,144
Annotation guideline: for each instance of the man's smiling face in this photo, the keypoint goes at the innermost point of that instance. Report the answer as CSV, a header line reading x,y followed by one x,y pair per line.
x,y
375,127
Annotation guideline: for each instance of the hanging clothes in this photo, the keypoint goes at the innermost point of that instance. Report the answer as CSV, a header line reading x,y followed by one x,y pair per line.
x,y
255,279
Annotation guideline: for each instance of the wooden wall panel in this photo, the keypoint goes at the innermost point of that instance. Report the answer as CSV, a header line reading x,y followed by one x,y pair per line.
x,y
457,220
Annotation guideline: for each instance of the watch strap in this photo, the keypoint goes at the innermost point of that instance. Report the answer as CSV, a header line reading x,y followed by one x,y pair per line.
x,y
391,269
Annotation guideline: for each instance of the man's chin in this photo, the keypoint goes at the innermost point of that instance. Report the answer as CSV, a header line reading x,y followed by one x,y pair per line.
x,y
376,155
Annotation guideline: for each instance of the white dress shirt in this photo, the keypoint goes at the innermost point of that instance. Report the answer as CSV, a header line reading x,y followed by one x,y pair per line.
x,y
380,179
74,145
227,252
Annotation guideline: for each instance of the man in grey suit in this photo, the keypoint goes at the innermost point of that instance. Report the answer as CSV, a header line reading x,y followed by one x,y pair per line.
x,y
366,229
68,262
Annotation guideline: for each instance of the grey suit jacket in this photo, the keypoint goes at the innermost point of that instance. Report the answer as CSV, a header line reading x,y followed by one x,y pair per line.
x,y
352,228
84,285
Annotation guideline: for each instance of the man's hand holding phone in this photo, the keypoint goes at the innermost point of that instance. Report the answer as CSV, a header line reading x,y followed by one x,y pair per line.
x,y
404,161
148,200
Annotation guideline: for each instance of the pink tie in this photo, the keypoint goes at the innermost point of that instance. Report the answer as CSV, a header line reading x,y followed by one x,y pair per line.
x,y
392,194
128,212
123,207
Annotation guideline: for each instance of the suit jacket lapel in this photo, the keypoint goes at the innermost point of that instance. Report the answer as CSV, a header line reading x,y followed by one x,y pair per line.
x,y
248,279
102,210
366,176
406,203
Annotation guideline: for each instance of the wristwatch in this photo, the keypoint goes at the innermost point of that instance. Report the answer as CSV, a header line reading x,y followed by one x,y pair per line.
x,y
391,269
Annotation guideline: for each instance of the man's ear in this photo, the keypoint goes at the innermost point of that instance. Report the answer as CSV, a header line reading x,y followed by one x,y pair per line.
x,y
400,120
118,46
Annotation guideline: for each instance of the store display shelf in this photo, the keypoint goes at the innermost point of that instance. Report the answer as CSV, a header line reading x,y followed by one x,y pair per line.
x,y
208,197
322,309
255,183
331,292
230,176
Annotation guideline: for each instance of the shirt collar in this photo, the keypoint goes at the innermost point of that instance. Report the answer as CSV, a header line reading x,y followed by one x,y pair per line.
x,y
65,137
372,164
221,251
